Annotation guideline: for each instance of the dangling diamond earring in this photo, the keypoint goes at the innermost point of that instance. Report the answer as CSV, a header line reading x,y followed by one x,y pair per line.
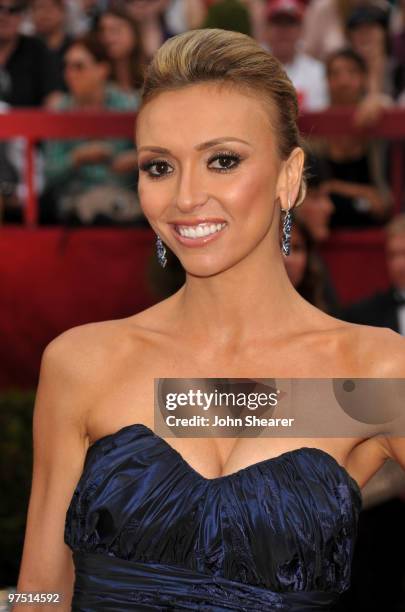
x,y
287,224
161,251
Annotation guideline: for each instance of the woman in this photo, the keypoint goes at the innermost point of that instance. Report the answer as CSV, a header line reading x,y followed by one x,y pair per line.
x,y
151,17
355,163
120,35
86,179
204,523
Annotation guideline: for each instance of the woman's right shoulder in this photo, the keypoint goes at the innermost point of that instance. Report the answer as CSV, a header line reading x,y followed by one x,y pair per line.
x,y
87,349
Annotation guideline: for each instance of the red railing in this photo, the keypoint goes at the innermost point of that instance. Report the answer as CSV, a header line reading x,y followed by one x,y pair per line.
x,y
37,125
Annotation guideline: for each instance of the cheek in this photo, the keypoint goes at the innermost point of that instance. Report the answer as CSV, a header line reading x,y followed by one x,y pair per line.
x,y
154,197
127,41
250,193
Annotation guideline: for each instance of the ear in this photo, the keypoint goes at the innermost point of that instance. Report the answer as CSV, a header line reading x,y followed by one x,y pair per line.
x,y
289,178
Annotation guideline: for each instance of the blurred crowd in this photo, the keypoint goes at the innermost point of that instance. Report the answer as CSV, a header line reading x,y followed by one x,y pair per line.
x,y
90,54
66,55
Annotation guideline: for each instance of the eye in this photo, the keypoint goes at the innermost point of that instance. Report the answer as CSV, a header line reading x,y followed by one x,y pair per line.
x,y
226,161
155,168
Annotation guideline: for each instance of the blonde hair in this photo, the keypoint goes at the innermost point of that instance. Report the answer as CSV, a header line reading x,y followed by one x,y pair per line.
x,y
228,58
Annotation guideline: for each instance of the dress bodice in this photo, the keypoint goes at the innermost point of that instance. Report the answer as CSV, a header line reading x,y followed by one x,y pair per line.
x,y
148,532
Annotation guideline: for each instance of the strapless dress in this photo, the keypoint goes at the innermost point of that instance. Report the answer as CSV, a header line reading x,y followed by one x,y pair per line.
x,y
149,532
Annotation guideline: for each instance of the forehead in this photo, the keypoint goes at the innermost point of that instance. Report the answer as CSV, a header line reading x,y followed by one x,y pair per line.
x,y
344,63
78,51
198,113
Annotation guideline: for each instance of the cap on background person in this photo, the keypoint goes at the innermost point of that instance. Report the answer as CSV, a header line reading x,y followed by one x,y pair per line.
x,y
368,14
291,8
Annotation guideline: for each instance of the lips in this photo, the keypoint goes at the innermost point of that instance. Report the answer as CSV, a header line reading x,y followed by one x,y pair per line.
x,y
196,241
198,221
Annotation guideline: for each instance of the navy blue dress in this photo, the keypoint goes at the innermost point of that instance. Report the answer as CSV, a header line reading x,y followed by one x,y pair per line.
x,y
148,532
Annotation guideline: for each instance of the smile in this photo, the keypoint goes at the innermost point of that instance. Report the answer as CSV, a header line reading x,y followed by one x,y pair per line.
x,y
197,231
196,235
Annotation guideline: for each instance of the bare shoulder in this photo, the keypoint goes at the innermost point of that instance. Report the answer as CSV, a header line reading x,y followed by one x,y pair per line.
x,y
87,352
380,351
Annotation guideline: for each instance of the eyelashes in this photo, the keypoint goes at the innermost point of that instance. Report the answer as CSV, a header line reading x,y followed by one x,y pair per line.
x,y
163,165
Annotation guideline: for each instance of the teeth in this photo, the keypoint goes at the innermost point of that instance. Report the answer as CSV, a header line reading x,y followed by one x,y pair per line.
x,y
197,231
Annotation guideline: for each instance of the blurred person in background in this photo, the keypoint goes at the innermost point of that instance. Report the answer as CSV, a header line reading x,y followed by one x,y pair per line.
x,y
29,78
317,208
150,15
386,308
121,37
88,13
228,15
398,49
324,27
305,270
355,162
9,177
325,21
90,181
282,37
315,213
182,15
30,68
367,32
49,19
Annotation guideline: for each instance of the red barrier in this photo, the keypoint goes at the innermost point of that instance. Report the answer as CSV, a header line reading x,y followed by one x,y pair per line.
x,y
38,125
356,263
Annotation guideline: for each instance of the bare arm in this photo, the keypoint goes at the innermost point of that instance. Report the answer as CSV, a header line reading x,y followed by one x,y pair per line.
x,y
380,204
59,452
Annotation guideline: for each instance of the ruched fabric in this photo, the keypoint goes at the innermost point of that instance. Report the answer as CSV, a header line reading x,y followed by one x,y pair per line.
x,y
148,532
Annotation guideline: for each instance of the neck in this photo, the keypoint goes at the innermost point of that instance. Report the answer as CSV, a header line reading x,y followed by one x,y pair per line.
x,y
54,39
252,299
123,73
95,99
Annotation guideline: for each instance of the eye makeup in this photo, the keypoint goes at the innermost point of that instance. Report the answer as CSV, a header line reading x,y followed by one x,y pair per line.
x,y
227,156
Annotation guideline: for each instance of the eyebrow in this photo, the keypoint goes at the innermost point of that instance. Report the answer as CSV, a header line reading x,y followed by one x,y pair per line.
x,y
199,147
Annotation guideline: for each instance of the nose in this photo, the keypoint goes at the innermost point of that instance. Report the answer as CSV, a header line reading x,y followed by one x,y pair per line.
x,y
190,189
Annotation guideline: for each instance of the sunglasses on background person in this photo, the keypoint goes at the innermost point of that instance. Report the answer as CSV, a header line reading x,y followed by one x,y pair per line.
x,y
76,66
13,9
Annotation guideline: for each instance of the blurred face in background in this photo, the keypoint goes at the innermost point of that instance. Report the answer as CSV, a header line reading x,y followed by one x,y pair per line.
x,y
395,256
347,82
368,39
282,35
296,261
117,36
11,12
146,9
315,212
83,74
48,16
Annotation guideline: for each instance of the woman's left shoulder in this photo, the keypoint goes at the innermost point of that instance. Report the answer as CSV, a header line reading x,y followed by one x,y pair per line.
x,y
380,351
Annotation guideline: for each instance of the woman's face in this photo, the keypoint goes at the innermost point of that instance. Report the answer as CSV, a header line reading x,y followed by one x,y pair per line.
x,y
83,74
210,154
117,36
296,261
